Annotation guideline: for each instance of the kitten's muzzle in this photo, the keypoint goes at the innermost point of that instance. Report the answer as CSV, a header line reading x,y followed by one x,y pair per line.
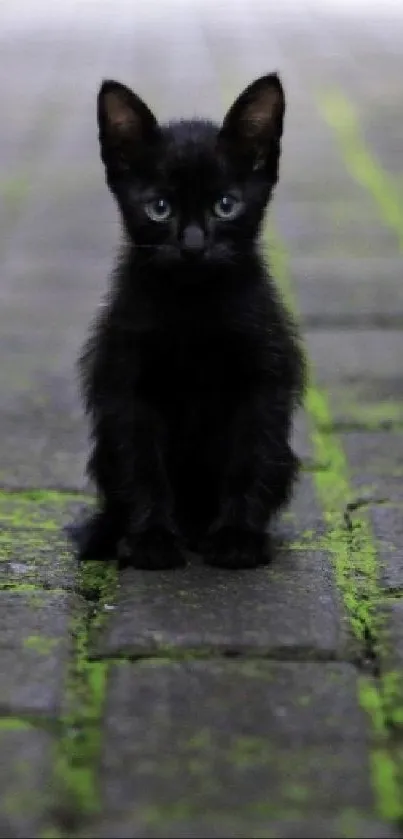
x,y
193,241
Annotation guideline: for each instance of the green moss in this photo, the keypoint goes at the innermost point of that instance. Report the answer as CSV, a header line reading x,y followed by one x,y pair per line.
x,y
249,752
80,746
386,785
20,588
340,114
97,582
392,698
41,644
43,496
304,701
81,743
14,724
350,824
201,740
37,510
371,701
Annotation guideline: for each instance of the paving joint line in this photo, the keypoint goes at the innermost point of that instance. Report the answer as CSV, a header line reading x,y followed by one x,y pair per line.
x,y
355,323
79,746
175,655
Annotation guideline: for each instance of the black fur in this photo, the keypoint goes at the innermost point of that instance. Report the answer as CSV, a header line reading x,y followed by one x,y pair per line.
x,y
193,368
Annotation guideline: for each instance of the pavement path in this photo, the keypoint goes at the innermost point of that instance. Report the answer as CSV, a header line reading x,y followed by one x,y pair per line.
x,y
199,702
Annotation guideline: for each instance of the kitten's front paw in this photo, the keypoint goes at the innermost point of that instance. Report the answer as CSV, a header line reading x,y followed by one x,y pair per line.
x,y
155,549
231,547
96,538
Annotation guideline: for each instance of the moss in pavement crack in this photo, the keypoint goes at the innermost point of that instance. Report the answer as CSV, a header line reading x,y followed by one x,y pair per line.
x,y
340,115
80,746
44,495
353,551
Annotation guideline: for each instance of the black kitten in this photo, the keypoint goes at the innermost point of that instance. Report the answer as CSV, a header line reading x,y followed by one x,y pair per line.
x,y
193,369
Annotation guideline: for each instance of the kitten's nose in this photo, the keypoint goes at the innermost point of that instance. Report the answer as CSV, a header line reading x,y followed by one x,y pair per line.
x,y
193,240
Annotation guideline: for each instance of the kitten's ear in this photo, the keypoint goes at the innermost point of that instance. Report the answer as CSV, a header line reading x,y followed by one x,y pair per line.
x,y
127,127
253,126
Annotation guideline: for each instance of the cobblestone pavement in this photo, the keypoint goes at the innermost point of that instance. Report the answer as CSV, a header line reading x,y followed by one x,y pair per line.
x,y
199,702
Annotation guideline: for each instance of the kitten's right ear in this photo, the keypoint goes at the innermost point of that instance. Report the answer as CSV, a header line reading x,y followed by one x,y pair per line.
x,y
253,126
127,128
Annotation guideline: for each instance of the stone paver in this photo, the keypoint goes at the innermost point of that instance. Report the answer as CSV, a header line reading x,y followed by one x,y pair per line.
x,y
361,373
34,648
281,828
34,547
375,462
197,608
26,798
387,524
244,612
210,742
122,711
355,292
391,640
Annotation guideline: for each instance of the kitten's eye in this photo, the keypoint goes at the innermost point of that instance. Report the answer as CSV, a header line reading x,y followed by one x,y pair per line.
x,y
158,210
227,207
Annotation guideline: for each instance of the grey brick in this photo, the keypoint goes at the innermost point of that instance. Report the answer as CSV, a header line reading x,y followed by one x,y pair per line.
x,y
34,547
387,525
361,292
232,748
34,650
302,523
43,435
351,824
361,374
350,356
37,558
317,228
390,648
26,795
374,460
301,438
288,607
377,486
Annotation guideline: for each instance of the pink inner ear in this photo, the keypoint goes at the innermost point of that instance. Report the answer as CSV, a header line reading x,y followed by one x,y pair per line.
x,y
119,114
262,112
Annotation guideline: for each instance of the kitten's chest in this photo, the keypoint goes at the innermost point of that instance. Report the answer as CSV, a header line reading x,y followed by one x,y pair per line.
x,y
194,361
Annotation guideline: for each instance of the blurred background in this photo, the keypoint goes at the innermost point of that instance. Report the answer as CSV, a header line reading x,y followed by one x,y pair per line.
x,y
338,213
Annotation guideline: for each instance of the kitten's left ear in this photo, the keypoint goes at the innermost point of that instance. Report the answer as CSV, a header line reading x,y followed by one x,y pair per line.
x,y
253,126
127,127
